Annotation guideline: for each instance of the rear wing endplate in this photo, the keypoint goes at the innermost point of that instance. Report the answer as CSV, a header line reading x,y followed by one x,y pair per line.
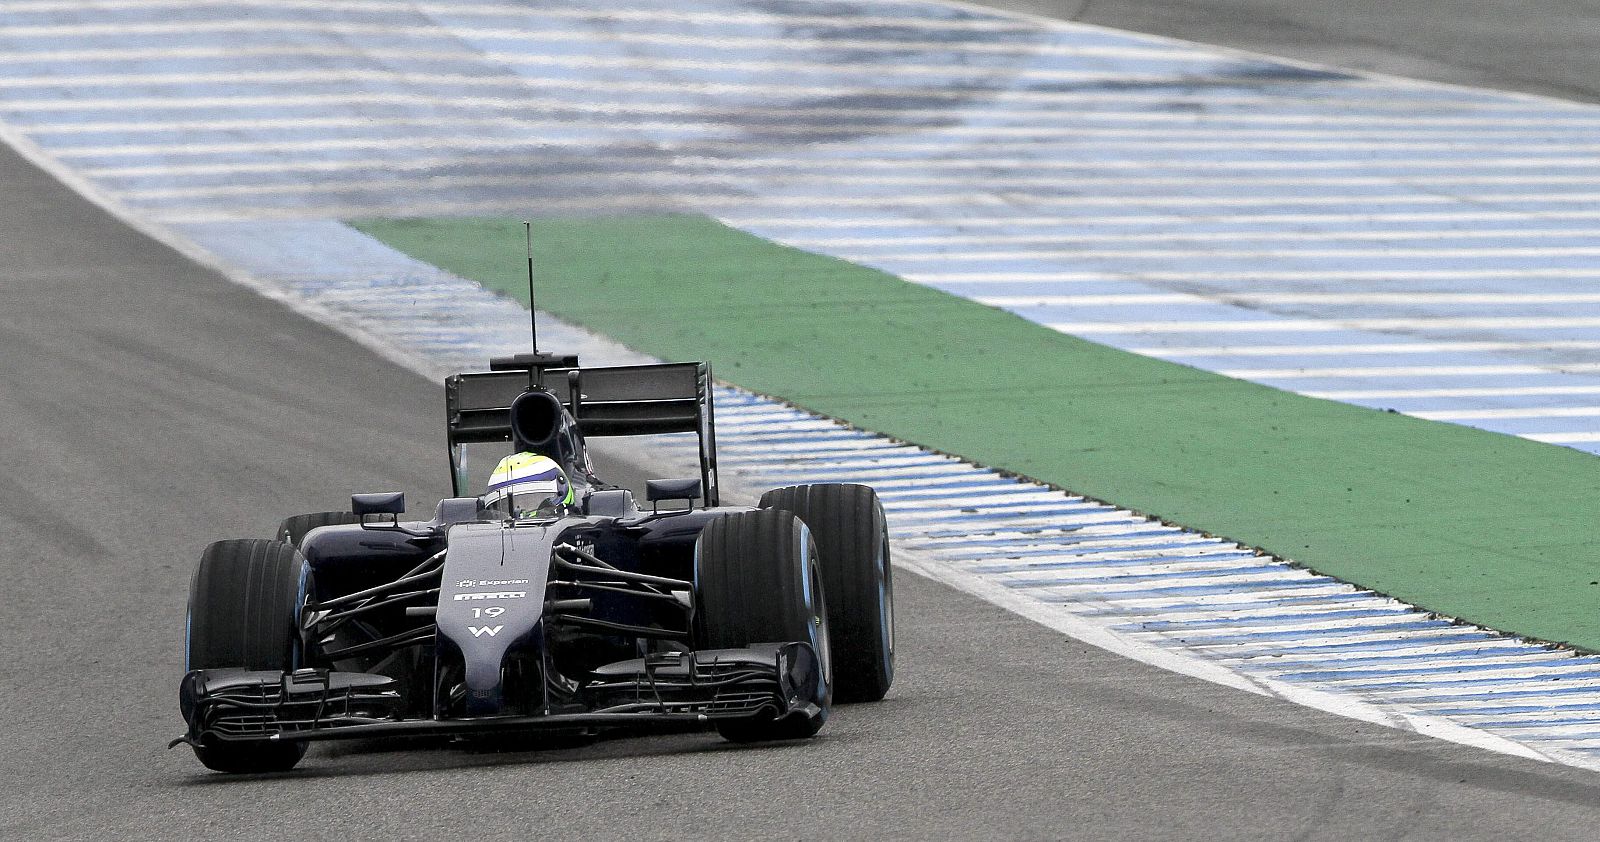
x,y
627,400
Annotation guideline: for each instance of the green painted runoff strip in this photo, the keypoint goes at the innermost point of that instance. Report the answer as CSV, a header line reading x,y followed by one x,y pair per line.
x,y
1485,527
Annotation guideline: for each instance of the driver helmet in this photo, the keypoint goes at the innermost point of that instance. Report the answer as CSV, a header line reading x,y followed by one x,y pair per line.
x,y
527,485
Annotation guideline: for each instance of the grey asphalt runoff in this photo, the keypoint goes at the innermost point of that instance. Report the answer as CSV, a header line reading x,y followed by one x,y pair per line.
x,y
1534,46
148,406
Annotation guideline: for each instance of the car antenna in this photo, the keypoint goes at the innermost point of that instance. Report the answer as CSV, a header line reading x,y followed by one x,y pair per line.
x,y
533,322
533,325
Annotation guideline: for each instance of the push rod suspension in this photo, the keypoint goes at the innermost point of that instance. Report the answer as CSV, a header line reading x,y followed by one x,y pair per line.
x,y
597,586
394,641
376,603
621,628
595,565
383,588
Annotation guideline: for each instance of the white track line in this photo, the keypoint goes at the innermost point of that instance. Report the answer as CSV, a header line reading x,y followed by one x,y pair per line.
x,y
386,8
1330,325
1409,371
992,103
545,35
1466,392
1396,299
512,180
1574,437
1261,276
1521,412
1385,348
1064,238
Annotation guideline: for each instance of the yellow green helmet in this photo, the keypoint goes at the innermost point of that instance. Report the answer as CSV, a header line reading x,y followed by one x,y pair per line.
x,y
528,485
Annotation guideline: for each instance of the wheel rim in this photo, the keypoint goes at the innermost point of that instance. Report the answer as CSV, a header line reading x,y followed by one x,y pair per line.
x,y
816,605
819,625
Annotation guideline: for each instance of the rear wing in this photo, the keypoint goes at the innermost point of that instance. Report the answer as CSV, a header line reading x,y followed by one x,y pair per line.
x,y
626,400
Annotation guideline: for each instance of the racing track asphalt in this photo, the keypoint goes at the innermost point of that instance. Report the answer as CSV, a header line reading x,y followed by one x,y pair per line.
x,y
148,406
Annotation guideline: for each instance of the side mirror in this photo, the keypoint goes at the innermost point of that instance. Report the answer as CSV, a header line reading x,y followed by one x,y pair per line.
x,y
686,488
383,503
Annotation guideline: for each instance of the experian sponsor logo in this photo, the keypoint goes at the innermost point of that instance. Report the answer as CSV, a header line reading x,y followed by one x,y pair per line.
x,y
491,595
489,583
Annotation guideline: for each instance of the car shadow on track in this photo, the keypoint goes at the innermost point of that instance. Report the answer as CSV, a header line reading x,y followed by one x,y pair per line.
x,y
391,756
405,756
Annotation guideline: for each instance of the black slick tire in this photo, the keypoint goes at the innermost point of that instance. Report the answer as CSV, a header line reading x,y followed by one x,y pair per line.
x,y
244,604
858,578
293,529
757,581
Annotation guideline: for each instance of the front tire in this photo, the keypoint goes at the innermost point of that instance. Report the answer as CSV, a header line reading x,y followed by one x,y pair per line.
x,y
244,611
858,578
757,581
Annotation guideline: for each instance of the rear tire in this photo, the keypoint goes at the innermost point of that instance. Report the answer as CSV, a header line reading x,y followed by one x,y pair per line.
x,y
757,581
857,576
244,610
293,529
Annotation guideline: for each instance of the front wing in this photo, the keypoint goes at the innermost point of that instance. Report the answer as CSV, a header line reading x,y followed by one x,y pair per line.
x,y
767,681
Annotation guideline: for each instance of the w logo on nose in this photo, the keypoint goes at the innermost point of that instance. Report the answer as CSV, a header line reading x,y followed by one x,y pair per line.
x,y
480,631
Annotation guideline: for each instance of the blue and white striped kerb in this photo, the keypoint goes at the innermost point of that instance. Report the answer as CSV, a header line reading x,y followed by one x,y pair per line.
x,y
1419,247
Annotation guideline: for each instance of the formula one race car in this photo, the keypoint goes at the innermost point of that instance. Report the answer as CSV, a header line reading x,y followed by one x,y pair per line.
x,y
566,615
